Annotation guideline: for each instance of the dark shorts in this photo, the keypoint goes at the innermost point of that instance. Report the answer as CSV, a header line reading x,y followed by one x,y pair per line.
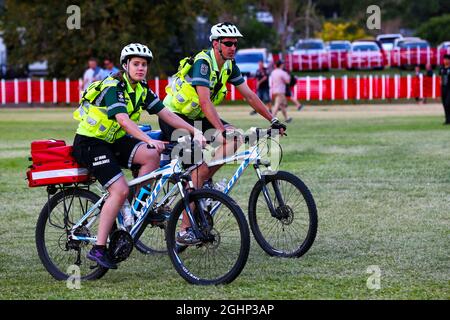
x,y
288,92
105,160
264,95
167,130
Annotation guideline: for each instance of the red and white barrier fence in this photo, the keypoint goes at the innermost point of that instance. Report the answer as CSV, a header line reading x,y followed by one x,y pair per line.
x,y
363,60
370,87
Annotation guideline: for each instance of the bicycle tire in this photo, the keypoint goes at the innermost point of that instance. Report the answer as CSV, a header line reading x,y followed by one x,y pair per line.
x,y
232,225
47,219
265,227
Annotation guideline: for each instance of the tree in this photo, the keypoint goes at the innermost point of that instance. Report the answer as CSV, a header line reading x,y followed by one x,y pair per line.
x,y
436,30
38,31
291,17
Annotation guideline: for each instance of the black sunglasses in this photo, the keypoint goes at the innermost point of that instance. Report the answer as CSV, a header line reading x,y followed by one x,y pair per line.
x,y
229,44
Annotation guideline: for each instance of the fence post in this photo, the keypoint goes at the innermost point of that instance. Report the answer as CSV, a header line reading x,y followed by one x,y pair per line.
x,y
383,87
357,87
333,88
67,91
345,88
157,86
320,88
55,92
428,55
29,90
80,88
41,90
370,87
308,88
3,91
16,91
291,64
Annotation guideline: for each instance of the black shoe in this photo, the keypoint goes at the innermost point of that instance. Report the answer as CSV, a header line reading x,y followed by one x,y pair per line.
x,y
300,107
252,113
101,257
288,120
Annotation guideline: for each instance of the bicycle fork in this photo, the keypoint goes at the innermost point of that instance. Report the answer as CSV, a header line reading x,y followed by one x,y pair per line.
x,y
265,191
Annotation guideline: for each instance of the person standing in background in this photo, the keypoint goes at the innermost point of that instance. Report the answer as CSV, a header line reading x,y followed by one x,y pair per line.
x,y
279,80
262,86
444,72
93,73
109,68
290,95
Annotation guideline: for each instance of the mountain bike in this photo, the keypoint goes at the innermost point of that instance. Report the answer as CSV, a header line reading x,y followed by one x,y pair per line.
x,y
281,210
67,226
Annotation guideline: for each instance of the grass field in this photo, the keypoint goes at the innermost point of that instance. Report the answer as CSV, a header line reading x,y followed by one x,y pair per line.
x,y
380,176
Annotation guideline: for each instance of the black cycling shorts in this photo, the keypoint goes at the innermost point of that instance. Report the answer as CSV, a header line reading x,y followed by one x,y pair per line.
x,y
104,160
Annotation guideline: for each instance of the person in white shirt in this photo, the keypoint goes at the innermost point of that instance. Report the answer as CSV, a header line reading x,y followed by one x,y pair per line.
x,y
93,73
279,80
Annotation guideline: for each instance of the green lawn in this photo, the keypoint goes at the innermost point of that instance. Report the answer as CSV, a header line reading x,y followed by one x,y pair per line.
x,y
382,188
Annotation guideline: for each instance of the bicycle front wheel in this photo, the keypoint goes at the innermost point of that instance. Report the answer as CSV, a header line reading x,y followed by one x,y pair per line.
x,y
290,229
220,257
61,256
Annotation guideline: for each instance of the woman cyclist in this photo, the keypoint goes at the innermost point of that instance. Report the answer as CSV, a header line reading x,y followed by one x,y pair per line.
x,y
109,110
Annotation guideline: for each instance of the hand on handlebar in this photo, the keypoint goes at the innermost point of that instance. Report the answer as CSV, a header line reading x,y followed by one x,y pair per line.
x,y
156,144
278,125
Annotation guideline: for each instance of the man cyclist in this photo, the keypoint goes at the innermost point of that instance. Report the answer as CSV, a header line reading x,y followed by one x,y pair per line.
x,y
200,85
109,110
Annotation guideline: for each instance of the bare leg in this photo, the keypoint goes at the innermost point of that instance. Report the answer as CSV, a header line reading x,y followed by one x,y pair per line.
x,y
118,192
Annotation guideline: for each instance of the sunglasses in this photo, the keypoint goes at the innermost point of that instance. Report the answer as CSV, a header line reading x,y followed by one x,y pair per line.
x,y
229,44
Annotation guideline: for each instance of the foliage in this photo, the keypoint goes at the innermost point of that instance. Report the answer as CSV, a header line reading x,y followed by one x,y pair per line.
x,y
341,31
436,30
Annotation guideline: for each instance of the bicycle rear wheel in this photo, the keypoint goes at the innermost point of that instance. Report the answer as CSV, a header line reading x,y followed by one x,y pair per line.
x,y
291,229
57,252
223,252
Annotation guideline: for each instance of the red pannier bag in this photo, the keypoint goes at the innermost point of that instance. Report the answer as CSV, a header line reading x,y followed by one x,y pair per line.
x,y
53,163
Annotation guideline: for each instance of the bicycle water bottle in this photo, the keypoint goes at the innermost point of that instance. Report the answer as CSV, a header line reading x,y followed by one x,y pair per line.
x,y
221,185
127,215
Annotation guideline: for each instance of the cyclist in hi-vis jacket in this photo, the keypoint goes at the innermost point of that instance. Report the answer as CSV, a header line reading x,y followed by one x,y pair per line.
x,y
200,85
109,110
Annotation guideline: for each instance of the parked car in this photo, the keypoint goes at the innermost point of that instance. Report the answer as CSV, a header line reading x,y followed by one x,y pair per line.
x,y
337,51
247,60
399,41
366,54
387,40
311,54
415,52
444,45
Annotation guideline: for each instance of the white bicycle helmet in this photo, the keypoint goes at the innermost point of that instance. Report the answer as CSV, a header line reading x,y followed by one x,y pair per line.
x,y
224,30
135,50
